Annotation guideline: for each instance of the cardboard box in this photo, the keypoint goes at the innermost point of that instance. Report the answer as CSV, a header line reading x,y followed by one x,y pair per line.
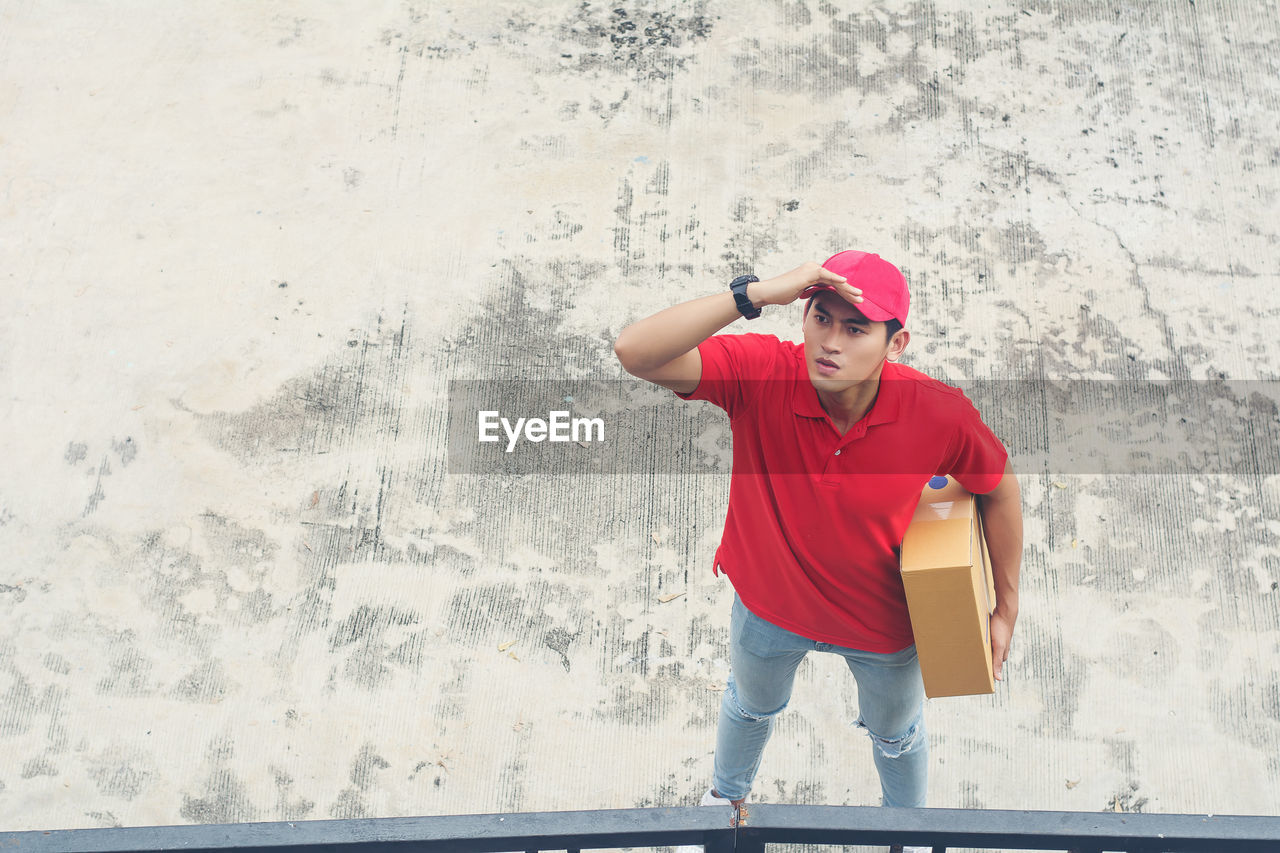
x,y
946,572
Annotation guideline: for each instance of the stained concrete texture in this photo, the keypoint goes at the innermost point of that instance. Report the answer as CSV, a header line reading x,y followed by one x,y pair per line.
x,y
247,247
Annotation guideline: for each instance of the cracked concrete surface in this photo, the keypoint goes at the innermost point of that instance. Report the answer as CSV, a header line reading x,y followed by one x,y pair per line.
x,y
247,249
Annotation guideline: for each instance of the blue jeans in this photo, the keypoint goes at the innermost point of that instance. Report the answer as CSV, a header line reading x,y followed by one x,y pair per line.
x,y
763,663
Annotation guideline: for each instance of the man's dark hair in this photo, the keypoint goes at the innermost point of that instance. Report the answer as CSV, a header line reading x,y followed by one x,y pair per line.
x,y
891,326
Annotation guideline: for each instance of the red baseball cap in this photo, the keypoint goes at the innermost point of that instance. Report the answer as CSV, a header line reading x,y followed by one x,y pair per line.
x,y
884,288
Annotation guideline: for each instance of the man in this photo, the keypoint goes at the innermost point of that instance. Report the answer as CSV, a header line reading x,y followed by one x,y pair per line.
x,y
833,441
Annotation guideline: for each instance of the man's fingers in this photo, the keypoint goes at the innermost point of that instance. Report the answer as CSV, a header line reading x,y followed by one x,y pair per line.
x,y
836,279
847,292
999,654
1001,637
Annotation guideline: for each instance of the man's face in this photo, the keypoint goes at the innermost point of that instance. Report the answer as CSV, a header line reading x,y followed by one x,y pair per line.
x,y
841,346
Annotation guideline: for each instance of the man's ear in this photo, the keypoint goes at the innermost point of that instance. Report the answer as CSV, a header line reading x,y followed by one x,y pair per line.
x,y
897,344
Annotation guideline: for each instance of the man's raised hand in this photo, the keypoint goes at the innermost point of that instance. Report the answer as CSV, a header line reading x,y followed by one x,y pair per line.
x,y
790,286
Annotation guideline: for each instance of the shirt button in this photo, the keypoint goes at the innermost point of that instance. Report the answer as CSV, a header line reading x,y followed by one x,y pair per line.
x,y
837,453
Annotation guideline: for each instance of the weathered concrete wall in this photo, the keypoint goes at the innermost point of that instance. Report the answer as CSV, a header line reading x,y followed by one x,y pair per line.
x,y
246,249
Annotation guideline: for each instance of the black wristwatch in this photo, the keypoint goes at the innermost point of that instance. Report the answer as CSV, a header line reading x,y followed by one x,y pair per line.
x,y
739,288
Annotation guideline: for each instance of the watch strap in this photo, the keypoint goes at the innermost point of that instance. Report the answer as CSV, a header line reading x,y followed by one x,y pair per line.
x,y
739,288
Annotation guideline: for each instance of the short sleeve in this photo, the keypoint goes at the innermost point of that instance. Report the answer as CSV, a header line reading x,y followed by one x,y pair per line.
x,y
729,364
975,457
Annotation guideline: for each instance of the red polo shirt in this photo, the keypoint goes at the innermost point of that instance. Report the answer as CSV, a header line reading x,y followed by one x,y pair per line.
x,y
816,518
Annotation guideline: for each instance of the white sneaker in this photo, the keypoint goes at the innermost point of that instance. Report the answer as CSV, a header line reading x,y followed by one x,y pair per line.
x,y
708,799
896,849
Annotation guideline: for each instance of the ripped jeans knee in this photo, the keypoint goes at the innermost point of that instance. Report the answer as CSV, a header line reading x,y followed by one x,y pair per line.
x,y
733,704
896,747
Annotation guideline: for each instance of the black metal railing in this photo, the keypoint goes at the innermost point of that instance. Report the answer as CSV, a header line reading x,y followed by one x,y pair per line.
x,y
1086,832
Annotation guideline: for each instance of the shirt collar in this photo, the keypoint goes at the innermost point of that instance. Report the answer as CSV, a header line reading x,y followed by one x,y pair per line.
x,y
884,410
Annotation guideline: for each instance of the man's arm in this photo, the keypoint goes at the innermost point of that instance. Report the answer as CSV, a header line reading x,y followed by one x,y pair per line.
x,y
1002,524
663,348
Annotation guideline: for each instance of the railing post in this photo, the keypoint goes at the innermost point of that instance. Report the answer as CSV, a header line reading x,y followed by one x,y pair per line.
x,y
721,841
